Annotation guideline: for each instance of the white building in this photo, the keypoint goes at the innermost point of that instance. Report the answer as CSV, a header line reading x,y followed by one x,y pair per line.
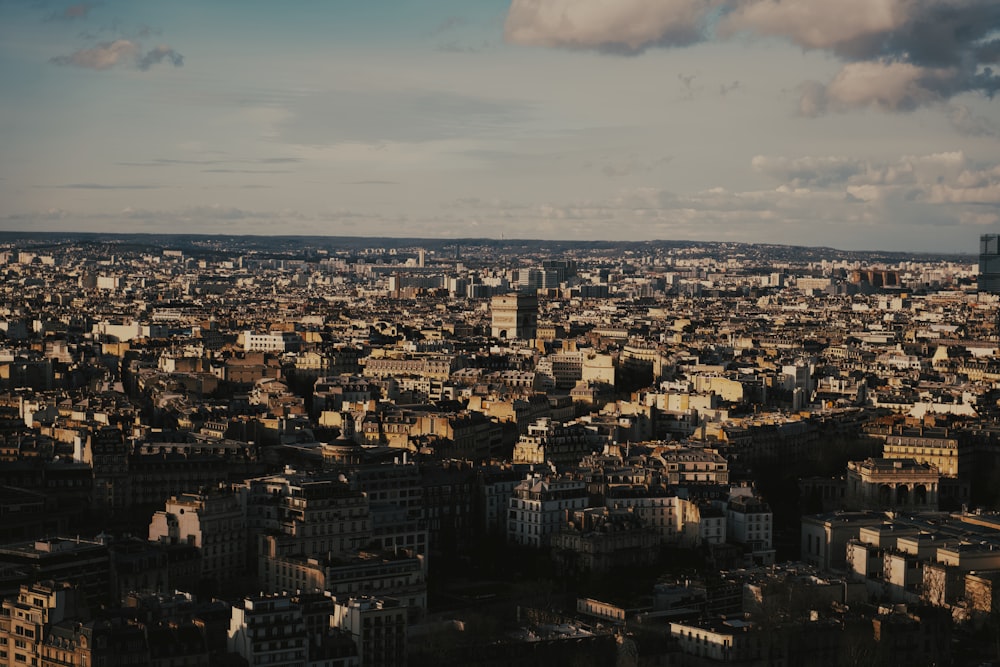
x,y
540,506
720,640
281,341
693,465
750,522
676,519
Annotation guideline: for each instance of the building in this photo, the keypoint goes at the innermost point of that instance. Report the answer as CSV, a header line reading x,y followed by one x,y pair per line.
x,y
212,522
402,575
675,519
951,454
83,563
598,540
897,484
305,516
540,506
729,640
825,536
26,620
749,521
268,630
514,316
989,263
378,627
278,341
551,441
693,465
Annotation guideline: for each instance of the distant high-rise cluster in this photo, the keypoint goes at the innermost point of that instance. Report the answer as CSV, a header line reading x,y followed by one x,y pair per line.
x,y
989,263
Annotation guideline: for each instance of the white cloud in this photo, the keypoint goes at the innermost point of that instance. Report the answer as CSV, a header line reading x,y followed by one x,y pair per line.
x,y
818,24
884,85
618,26
939,178
807,171
899,54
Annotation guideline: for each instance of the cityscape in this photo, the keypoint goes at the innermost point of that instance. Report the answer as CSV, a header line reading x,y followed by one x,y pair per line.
x,y
348,451
597,333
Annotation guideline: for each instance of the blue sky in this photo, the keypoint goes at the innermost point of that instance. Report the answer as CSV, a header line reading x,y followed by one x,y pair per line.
x,y
855,124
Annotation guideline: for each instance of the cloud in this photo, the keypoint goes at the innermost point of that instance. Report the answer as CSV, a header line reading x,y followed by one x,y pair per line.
x,y
119,52
626,27
897,55
969,124
207,219
211,213
937,179
932,33
101,186
245,171
103,56
158,55
891,86
72,12
167,162
808,171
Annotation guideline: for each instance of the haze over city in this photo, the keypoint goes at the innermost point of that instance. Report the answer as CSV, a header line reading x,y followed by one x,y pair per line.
x,y
858,124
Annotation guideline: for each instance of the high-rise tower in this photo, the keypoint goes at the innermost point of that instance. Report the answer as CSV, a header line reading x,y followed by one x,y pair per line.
x,y
989,263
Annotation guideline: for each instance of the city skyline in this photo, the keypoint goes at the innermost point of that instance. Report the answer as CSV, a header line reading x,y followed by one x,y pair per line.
x,y
805,123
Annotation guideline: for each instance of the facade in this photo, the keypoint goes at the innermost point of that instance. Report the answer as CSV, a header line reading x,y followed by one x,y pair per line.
x,y
689,465
866,552
279,341
750,522
305,516
898,484
268,631
539,508
213,522
402,576
726,641
26,620
598,540
950,454
83,562
378,626
550,441
825,536
675,519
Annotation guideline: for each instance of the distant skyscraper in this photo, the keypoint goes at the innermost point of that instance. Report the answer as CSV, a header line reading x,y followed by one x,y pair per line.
x,y
515,316
989,263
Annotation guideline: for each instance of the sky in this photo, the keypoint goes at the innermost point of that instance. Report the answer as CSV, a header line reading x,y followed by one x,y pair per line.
x,y
855,124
